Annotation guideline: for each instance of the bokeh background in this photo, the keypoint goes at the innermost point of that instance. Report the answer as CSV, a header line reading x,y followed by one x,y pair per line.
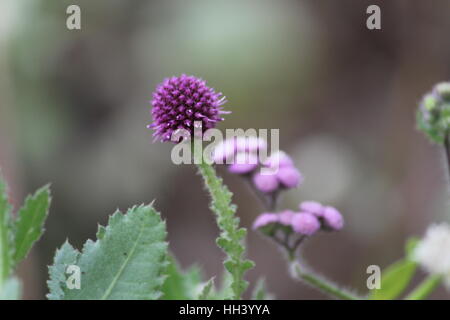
x,y
74,109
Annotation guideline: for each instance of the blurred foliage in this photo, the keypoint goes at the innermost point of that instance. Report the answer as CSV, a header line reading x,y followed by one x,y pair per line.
x,y
74,109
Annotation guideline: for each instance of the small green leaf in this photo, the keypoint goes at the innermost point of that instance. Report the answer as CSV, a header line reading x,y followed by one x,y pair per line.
x,y
260,291
394,280
206,290
127,262
30,222
11,289
180,285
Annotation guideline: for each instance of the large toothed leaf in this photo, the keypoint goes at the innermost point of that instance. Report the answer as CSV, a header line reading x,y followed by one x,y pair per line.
x,y
127,261
29,225
64,257
5,234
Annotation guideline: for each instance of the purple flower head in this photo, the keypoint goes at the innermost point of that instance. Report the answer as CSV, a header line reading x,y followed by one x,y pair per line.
x,y
312,207
244,163
264,219
265,183
305,223
289,177
178,102
332,219
285,217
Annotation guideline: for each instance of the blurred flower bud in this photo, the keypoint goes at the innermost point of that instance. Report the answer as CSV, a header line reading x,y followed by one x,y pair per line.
x,y
285,217
265,219
332,219
305,223
289,177
313,207
433,115
244,163
279,160
265,183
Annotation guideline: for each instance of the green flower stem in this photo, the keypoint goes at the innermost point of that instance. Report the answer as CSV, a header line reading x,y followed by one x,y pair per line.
x,y
231,236
424,289
447,152
322,284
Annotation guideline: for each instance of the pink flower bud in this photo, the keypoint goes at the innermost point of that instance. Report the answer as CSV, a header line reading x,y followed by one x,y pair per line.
x,y
244,163
312,207
332,218
289,177
279,159
305,223
264,219
265,183
285,217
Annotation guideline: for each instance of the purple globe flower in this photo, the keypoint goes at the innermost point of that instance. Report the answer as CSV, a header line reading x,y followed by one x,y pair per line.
x,y
178,102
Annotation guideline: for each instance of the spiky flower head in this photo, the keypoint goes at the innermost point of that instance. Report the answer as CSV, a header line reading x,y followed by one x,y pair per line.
x,y
180,102
433,115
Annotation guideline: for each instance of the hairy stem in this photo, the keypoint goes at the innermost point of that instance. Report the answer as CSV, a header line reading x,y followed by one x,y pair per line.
x,y
424,289
322,284
231,236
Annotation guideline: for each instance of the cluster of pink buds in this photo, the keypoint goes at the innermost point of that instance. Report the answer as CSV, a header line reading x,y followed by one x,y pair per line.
x,y
289,228
280,174
267,177
311,218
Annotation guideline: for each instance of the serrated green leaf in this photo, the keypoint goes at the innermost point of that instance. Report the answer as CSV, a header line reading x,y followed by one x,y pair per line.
x,y
206,290
127,262
394,280
30,222
6,247
180,285
11,289
64,257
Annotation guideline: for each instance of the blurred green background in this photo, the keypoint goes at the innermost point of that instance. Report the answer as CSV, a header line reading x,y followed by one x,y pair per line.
x,y
74,109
